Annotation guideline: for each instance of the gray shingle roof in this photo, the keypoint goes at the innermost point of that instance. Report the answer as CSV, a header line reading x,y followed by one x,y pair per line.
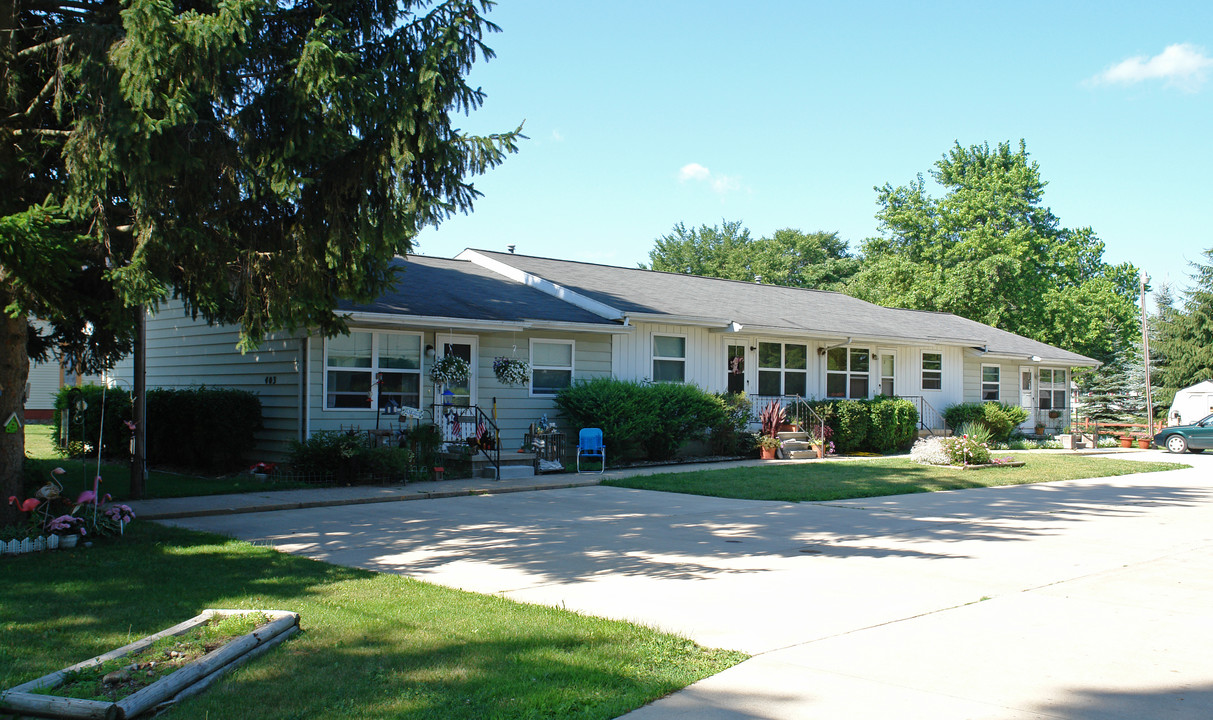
x,y
439,287
753,305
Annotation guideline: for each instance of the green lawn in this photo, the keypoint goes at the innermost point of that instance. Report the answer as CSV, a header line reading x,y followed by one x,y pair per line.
x,y
373,646
886,476
115,477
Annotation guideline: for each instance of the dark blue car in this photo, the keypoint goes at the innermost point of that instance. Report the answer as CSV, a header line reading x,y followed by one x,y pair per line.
x,y
1196,437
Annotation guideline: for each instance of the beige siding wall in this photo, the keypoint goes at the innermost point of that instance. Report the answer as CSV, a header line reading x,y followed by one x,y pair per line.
x,y
516,407
183,353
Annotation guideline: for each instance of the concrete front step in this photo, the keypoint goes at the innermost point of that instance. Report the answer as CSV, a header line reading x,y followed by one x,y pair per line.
x,y
510,472
792,435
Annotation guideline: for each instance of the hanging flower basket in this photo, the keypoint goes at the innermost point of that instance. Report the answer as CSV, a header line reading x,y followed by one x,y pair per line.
x,y
511,371
449,370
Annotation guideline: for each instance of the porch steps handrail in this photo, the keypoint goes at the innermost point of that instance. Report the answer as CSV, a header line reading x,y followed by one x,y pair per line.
x,y
457,423
929,418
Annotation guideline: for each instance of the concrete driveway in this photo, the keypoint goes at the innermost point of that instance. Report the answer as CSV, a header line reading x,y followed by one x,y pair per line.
x,y
1082,599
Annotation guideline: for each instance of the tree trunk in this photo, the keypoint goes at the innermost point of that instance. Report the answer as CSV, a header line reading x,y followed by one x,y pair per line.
x,y
14,371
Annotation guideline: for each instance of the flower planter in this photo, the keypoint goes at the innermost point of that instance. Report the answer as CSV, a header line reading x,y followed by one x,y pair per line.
x,y
1126,441
68,541
1144,443
820,449
187,680
766,453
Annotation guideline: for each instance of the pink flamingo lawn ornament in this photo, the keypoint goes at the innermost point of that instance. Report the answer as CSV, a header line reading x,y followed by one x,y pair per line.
x,y
27,505
52,489
89,496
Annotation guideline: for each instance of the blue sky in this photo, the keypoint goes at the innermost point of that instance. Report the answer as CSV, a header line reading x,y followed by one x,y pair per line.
x,y
642,115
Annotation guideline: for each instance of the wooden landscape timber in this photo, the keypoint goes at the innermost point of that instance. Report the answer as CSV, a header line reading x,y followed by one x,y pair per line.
x,y
187,681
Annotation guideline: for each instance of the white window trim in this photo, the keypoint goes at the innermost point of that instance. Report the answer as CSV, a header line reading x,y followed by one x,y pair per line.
x,y
783,369
572,368
997,384
849,373
1053,386
373,370
654,357
922,371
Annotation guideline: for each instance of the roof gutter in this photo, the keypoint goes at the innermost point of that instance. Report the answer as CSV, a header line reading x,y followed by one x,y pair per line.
x,y
429,321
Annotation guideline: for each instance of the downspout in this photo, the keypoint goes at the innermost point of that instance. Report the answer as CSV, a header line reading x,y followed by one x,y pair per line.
x,y
826,349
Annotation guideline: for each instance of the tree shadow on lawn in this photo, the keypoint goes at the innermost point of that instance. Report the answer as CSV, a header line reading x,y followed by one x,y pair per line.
x,y
83,602
386,675
583,534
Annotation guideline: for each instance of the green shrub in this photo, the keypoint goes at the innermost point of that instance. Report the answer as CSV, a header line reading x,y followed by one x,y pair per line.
x,y
894,424
203,427
346,458
733,436
999,418
642,420
881,425
85,428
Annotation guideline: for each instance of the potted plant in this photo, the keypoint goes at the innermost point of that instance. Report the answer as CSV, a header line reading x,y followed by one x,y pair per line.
x,y
771,417
1040,428
69,528
511,371
767,446
820,438
1144,443
1126,441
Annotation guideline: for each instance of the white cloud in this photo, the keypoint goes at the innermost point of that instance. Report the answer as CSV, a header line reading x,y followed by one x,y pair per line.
x,y
693,171
719,182
1180,65
557,136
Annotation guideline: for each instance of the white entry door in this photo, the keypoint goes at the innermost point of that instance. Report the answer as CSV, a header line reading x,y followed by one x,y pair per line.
x,y
1027,394
464,346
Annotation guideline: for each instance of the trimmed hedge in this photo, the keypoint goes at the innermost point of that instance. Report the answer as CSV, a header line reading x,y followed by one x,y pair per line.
x,y
642,420
999,418
879,425
203,427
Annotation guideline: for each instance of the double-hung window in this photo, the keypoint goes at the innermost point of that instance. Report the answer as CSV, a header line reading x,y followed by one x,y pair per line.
x,y
783,369
669,358
990,376
372,371
1053,389
848,372
932,371
551,366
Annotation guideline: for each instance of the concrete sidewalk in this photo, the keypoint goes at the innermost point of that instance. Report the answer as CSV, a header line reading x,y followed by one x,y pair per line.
x,y
271,500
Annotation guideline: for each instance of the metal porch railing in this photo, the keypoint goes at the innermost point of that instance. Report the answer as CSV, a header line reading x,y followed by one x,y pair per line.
x,y
468,429
929,418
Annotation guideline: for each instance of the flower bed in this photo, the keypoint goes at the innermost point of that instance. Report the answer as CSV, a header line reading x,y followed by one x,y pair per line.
x,y
32,698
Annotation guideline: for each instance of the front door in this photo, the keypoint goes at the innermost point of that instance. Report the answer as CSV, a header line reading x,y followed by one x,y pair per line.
x,y
888,370
1027,397
463,346
735,369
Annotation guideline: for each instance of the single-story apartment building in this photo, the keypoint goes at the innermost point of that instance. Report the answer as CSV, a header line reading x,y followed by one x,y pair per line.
x,y
573,320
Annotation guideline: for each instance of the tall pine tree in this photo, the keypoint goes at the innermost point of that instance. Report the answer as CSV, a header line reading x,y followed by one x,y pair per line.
x,y
1186,334
257,160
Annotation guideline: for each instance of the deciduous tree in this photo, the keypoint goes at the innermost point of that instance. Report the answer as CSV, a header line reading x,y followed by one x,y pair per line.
x,y
990,250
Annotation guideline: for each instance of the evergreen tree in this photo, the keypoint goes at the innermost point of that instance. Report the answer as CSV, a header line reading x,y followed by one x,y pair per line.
x,y
256,160
1186,334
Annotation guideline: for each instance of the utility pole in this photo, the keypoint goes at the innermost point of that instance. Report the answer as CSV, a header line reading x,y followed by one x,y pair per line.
x,y
1145,351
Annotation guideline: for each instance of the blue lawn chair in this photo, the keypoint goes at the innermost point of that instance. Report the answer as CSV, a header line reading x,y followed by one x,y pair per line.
x,y
589,444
